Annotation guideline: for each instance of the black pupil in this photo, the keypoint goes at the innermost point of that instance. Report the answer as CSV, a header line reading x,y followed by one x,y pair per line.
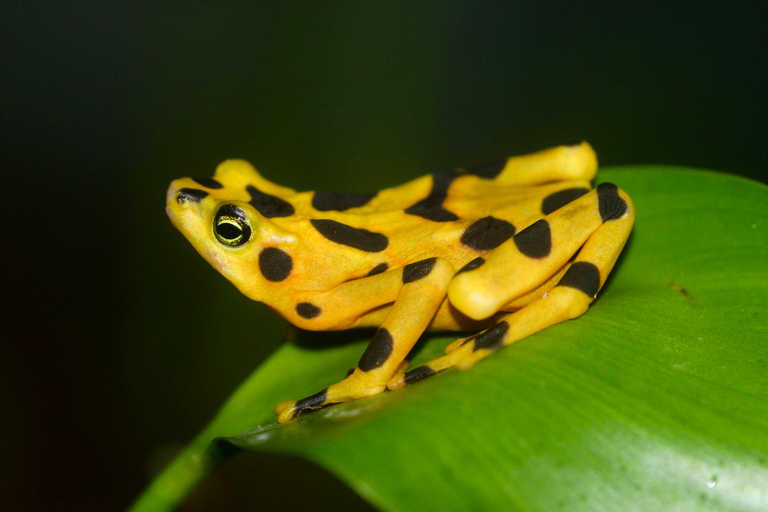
x,y
229,230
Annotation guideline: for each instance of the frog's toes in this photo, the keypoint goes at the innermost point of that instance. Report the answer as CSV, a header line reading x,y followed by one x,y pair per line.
x,y
457,344
480,346
462,353
286,411
358,385
282,406
472,357
402,379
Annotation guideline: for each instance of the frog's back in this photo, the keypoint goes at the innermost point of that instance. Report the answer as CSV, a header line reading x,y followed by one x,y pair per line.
x,y
335,237
454,215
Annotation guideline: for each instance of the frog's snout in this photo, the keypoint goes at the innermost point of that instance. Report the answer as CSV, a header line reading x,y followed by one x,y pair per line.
x,y
190,194
172,194
177,198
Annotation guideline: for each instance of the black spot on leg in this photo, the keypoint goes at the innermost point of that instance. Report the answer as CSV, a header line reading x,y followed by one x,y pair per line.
x,y
275,264
208,183
315,401
361,239
491,339
682,290
488,171
378,269
194,195
327,201
561,198
488,233
307,310
431,207
418,373
535,241
611,205
583,276
378,351
472,265
268,205
415,271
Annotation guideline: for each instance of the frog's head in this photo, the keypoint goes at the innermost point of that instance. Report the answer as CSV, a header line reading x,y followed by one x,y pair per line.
x,y
226,218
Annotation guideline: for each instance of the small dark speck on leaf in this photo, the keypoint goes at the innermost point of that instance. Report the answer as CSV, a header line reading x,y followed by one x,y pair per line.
x,y
682,290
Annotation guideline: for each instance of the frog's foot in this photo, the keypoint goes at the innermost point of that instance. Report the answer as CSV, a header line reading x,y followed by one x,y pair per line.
x,y
357,385
462,353
561,303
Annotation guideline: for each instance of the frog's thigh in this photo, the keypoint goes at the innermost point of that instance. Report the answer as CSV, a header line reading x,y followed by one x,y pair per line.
x,y
569,299
533,255
424,286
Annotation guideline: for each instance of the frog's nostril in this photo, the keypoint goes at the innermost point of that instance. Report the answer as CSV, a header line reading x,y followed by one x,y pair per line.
x,y
190,194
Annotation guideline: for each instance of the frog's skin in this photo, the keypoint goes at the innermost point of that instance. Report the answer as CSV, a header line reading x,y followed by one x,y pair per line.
x,y
490,248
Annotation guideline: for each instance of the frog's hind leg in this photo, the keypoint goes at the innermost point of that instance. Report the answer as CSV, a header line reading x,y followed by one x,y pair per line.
x,y
521,264
562,163
570,298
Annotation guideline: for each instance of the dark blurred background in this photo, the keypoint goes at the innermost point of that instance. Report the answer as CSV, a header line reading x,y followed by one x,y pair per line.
x,y
119,342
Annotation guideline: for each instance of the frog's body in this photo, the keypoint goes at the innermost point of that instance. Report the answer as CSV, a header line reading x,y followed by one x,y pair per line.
x,y
329,261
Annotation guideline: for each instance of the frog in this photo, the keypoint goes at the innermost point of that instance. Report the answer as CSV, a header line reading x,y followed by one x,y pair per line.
x,y
496,252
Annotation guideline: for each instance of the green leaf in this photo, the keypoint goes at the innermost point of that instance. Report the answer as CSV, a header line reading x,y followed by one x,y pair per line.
x,y
655,399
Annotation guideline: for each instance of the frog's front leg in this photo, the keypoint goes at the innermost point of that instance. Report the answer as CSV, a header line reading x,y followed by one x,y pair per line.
x,y
603,218
422,288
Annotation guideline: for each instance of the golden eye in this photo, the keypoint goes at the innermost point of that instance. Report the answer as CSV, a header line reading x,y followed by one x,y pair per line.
x,y
230,226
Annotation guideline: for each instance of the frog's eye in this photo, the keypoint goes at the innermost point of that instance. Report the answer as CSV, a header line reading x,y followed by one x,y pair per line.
x,y
230,226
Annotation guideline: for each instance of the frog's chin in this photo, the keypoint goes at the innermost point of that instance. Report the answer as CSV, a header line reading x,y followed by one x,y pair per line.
x,y
217,262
